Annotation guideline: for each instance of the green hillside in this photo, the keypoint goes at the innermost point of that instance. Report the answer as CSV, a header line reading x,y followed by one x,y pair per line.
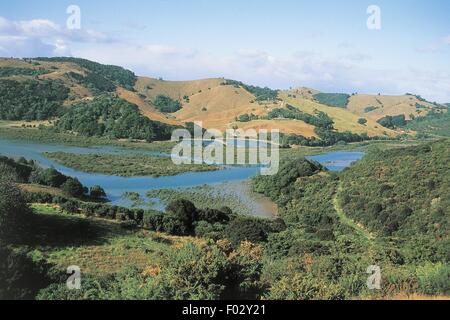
x,y
390,209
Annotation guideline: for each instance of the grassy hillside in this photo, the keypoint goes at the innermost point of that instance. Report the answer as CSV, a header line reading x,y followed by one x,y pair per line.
x,y
403,194
343,119
331,227
389,209
376,107
217,102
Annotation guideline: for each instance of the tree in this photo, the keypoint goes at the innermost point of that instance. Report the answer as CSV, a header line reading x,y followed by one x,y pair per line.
x,y
48,177
362,121
166,104
192,272
20,276
183,212
97,192
245,229
73,187
14,212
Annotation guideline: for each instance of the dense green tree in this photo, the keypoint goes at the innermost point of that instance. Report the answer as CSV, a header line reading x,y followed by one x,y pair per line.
x,y
11,71
393,122
118,75
362,121
183,212
261,94
31,99
112,117
96,83
246,229
97,192
339,100
73,187
166,104
21,277
48,177
14,212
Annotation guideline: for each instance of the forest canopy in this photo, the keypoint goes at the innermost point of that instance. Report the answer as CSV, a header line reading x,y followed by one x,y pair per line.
x,y
261,94
166,104
339,100
118,75
31,99
110,116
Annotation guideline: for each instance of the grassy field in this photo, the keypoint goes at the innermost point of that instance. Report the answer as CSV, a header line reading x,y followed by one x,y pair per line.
x,y
125,165
387,106
50,137
235,195
344,120
24,124
97,246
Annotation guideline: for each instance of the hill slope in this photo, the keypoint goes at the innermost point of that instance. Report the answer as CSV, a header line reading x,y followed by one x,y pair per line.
x,y
217,102
377,107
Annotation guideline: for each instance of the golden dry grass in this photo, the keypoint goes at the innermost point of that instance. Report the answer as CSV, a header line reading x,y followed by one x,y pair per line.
x,y
344,120
303,92
175,89
386,105
145,108
218,107
35,188
284,125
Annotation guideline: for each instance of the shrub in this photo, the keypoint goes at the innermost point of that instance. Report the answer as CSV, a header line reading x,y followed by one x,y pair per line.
x,y
166,104
73,187
14,213
246,229
181,216
97,192
362,121
339,100
20,276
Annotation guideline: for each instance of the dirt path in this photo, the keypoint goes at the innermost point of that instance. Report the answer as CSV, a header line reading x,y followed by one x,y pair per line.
x,y
361,230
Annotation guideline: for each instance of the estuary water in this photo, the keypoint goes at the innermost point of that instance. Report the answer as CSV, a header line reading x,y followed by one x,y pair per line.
x,y
116,186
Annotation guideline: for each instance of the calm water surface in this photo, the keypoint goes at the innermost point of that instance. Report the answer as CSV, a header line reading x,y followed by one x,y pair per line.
x,y
115,186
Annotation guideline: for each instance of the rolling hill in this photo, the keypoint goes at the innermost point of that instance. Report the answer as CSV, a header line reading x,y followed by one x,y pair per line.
x,y
217,102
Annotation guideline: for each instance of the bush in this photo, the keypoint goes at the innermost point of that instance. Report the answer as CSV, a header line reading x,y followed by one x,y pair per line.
x,y
21,277
362,121
97,192
246,229
166,104
192,273
434,279
339,100
14,213
181,216
304,286
48,177
73,187
393,122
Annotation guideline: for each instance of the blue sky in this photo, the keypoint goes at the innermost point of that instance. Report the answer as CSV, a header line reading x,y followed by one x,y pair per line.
x,y
322,44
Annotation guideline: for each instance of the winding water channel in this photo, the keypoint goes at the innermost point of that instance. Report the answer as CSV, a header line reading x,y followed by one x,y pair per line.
x,y
115,186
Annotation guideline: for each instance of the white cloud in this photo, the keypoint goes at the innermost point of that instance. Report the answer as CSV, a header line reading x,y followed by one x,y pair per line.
x,y
18,46
344,73
42,37
352,72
